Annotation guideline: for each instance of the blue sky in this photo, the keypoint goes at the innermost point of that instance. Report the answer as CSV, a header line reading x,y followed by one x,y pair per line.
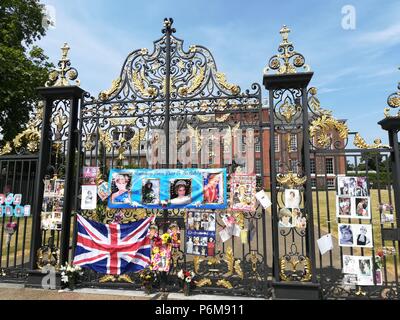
x,y
355,70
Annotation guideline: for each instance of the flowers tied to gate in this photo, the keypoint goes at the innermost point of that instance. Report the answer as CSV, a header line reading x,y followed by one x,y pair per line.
x,y
70,274
186,276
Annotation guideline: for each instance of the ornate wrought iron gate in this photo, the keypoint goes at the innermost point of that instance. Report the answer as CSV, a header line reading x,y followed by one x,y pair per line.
x,y
178,99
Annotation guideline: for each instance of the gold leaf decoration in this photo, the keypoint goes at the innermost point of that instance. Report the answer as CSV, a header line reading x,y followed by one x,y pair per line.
x,y
213,261
222,118
230,260
106,140
203,282
138,80
32,135
238,269
360,143
288,111
125,278
282,267
106,94
321,127
290,180
198,78
196,264
107,278
224,283
307,275
135,141
315,104
221,80
6,149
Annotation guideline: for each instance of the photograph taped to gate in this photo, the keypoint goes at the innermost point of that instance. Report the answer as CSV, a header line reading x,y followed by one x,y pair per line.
x,y
353,186
19,211
2,211
150,191
292,198
17,199
180,191
2,199
213,187
27,210
344,207
49,186
9,199
285,218
243,191
362,208
346,236
121,184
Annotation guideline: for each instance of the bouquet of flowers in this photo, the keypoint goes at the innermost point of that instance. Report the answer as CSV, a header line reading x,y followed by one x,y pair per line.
x,y
379,260
70,275
147,278
187,277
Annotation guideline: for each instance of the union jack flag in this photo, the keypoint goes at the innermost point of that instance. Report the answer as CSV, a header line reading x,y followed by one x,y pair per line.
x,y
113,248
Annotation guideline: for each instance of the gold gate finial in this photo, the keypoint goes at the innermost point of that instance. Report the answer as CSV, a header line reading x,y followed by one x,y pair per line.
x,y
393,102
61,76
287,61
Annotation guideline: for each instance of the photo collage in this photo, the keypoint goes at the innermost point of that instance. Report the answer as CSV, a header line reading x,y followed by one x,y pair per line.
x,y
291,216
353,200
52,206
359,270
89,188
10,206
200,232
189,188
243,190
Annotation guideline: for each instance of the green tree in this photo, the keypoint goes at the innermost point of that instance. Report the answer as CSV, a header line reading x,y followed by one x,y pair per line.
x,y
23,66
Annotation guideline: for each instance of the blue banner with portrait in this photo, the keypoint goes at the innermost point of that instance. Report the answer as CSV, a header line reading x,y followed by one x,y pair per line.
x,y
168,188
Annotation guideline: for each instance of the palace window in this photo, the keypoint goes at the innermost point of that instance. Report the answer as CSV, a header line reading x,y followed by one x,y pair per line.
x,y
293,142
258,166
294,165
276,137
330,183
329,166
258,145
312,166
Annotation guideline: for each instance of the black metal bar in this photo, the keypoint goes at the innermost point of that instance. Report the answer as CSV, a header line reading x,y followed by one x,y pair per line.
x,y
69,194
308,205
39,186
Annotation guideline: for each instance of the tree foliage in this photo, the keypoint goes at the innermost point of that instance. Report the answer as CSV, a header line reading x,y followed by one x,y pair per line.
x,y
23,66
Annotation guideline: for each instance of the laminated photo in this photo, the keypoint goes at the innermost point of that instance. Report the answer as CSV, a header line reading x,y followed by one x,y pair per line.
x,y
17,199
2,199
49,188
346,236
150,191
90,172
344,207
362,235
243,190
263,198
361,267
89,198
350,264
355,235
121,183
285,218
299,219
19,211
9,199
362,208
180,191
292,198
353,186
59,188
103,191
213,186
200,232
27,210
9,211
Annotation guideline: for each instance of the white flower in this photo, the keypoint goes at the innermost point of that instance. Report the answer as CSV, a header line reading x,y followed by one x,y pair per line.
x,y
64,278
188,279
192,274
180,274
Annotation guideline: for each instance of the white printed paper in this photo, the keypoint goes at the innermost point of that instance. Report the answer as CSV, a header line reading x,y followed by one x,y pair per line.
x,y
89,197
325,244
263,198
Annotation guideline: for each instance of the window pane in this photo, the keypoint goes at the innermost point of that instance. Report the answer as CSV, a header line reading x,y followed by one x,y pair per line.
x,y
329,166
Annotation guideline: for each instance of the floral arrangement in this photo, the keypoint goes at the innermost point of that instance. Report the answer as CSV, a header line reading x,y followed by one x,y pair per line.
x,y
147,277
186,276
378,260
10,229
70,275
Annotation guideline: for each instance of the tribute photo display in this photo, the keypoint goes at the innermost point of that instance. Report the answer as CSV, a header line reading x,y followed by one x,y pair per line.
x,y
89,197
168,189
292,198
200,232
353,207
243,190
358,270
52,205
353,186
355,235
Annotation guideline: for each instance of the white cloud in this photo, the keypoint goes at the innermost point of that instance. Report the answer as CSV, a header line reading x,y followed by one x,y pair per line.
x,y
389,36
